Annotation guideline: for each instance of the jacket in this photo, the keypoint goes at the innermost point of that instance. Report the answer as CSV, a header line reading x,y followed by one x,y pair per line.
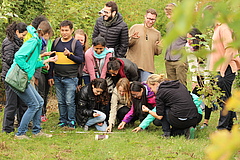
x,y
9,48
175,96
130,69
33,46
116,35
86,104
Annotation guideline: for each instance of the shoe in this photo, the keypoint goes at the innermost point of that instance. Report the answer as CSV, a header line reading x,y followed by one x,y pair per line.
x,y
85,128
205,125
43,134
166,135
21,137
44,118
189,133
72,125
62,124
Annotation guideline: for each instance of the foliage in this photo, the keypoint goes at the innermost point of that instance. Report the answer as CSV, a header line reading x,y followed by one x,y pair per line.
x,y
224,144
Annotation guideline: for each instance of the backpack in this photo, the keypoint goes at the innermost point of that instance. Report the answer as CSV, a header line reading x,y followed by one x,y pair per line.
x,y
73,45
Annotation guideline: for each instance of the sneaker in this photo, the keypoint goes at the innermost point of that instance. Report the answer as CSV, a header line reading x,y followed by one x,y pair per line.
x,y
189,133
205,125
21,137
166,135
71,125
44,118
43,134
85,128
62,124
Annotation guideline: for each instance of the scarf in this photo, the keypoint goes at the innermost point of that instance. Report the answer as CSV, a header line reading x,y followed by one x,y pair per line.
x,y
103,54
109,23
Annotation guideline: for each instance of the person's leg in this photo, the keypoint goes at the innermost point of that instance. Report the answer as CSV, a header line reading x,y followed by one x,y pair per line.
x,y
225,83
62,106
86,79
122,112
144,75
70,85
22,107
10,109
170,70
43,91
181,71
93,120
34,106
157,122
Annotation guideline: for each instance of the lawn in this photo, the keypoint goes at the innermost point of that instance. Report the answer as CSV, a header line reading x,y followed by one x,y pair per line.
x,y
123,144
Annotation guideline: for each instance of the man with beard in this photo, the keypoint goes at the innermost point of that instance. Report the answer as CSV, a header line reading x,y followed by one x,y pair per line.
x,y
112,27
144,43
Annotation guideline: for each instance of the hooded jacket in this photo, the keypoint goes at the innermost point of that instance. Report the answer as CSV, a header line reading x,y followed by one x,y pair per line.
x,y
176,97
116,35
31,46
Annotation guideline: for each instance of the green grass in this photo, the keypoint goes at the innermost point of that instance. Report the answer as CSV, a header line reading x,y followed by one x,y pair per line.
x,y
147,144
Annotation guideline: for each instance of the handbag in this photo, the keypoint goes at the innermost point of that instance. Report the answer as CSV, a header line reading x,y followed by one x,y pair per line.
x,y
17,78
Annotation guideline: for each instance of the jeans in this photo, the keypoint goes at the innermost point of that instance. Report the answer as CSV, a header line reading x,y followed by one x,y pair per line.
x,y
93,120
65,91
144,75
34,102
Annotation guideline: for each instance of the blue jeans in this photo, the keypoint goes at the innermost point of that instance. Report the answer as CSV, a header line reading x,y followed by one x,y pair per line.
x,y
34,102
65,91
93,120
144,75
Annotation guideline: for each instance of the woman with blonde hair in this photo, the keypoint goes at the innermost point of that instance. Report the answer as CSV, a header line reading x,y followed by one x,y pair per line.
x,y
143,94
120,102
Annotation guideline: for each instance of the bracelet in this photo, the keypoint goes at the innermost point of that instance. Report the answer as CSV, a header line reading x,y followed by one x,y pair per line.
x,y
149,110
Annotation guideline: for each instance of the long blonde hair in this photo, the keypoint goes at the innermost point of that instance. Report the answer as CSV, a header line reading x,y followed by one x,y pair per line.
x,y
155,78
125,84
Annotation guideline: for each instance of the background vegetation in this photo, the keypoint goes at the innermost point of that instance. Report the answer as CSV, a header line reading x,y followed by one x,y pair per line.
x,y
124,144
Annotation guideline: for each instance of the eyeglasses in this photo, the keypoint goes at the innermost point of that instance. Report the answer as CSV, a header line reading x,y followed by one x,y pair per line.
x,y
105,12
151,19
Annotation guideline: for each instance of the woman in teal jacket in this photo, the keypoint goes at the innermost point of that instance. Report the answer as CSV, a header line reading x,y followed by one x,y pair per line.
x,y
30,96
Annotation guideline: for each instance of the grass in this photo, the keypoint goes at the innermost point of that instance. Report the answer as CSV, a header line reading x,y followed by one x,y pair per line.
x,y
123,144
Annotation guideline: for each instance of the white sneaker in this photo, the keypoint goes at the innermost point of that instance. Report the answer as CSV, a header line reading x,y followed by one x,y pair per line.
x,y
21,137
43,134
85,128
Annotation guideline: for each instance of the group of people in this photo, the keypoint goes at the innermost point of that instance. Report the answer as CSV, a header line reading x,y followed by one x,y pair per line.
x,y
113,81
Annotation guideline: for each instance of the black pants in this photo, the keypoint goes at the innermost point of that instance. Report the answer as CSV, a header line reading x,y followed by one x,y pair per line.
x,y
124,110
225,83
171,123
14,105
43,89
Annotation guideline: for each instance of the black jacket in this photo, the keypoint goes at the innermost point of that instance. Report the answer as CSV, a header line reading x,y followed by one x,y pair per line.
x,y
116,35
176,97
86,105
130,69
9,49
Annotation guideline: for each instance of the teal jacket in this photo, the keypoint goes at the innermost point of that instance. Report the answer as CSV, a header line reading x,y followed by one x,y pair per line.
x,y
33,46
146,122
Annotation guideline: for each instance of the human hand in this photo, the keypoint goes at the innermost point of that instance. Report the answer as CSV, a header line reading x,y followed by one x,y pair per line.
x,y
51,59
121,125
136,129
47,53
51,82
66,52
135,35
96,114
109,128
145,109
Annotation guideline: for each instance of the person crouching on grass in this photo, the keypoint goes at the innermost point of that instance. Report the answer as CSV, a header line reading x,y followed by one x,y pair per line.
x,y
176,109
